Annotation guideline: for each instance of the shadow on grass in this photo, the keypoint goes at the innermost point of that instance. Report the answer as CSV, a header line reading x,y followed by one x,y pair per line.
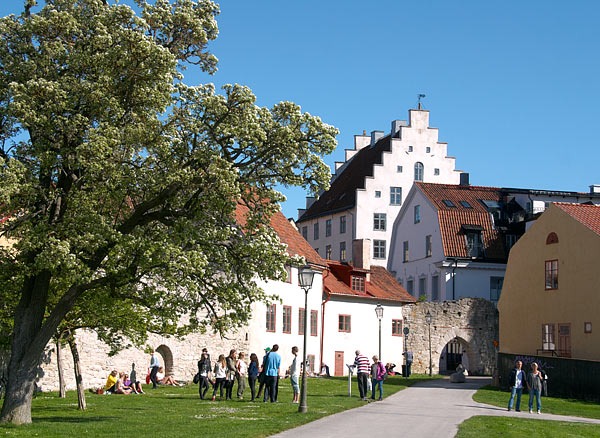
x,y
95,419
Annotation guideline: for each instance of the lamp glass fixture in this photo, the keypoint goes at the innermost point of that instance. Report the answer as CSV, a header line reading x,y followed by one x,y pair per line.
x,y
379,311
305,277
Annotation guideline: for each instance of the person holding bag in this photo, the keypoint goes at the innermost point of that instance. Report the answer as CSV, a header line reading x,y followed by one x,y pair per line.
x,y
378,374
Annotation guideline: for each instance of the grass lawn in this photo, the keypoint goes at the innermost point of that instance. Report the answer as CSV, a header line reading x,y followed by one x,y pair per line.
x,y
508,427
550,405
179,412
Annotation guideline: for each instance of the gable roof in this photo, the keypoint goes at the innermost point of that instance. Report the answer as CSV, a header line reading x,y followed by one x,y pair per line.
x,y
342,193
588,215
454,221
296,244
381,287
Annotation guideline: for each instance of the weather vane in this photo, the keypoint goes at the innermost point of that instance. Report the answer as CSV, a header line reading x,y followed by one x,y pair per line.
x,y
420,96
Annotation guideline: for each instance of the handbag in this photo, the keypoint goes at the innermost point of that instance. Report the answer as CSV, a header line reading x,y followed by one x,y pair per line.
x,y
196,377
148,377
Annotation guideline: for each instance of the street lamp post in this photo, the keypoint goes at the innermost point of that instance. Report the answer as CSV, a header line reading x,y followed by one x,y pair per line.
x,y
305,280
429,320
379,313
406,331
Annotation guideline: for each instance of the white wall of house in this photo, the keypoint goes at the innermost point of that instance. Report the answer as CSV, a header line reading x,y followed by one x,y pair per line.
x,y
335,238
290,295
472,279
364,331
415,143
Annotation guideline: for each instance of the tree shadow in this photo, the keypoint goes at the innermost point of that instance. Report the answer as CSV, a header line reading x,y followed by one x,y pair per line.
x,y
93,419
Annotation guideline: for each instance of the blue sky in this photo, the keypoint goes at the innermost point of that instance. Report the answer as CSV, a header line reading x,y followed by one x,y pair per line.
x,y
513,86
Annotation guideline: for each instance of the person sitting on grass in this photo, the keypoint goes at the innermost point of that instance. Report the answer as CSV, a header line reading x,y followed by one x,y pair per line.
x,y
111,381
120,387
136,387
166,380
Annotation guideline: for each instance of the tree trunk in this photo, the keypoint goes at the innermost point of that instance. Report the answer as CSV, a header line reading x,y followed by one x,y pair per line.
x,y
78,376
61,378
25,360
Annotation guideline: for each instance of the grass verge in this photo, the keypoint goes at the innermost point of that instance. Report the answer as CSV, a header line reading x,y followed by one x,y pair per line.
x,y
177,412
550,405
509,427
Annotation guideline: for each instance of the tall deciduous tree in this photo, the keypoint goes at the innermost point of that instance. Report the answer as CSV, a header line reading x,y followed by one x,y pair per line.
x,y
122,181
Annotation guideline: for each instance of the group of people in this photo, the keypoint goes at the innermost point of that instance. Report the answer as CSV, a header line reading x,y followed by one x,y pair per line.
x,y
122,383
157,373
234,368
533,381
376,371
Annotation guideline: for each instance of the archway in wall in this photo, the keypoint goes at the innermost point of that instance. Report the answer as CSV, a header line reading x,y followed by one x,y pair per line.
x,y
456,351
167,357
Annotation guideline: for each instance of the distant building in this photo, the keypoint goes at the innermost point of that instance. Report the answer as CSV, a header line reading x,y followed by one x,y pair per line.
x,y
550,300
452,241
350,294
369,187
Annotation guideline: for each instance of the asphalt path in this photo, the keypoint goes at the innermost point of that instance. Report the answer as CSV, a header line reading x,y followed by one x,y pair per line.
x,y
429,409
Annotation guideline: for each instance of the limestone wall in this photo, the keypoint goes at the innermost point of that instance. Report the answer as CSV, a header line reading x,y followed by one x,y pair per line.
x,y
474,321
181,357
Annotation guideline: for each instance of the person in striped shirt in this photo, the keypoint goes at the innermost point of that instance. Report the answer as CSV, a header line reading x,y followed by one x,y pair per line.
x,y
361,363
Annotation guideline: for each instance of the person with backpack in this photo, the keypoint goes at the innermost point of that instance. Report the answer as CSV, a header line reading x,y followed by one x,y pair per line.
x,y
378,375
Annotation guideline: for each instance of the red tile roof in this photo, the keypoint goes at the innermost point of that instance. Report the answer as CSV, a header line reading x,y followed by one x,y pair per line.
x,y
452,219
588,215
342,193
381,287
296,244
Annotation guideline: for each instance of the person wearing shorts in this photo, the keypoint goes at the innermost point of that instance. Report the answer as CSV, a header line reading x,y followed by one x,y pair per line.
x,y
295,375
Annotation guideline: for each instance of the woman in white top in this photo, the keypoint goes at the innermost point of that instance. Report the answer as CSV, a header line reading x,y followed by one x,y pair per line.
x,y
220,374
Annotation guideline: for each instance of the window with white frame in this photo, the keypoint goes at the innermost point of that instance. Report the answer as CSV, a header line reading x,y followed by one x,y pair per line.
x,y
548,337
379,249
436,171
377,193
427,150
419,171
495,288
379,221
396,195
399,169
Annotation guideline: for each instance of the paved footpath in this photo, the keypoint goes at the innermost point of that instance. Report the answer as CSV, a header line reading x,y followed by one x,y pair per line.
x,y
429,409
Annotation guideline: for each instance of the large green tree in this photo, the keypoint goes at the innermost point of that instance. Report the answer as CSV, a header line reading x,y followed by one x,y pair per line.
x,y
121,181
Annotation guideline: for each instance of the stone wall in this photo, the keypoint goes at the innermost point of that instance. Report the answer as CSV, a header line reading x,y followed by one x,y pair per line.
x,y
472,321
179,357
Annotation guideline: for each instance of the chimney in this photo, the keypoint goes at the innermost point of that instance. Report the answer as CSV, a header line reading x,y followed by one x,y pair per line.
x,y
396,124
375,135
595,188
361,253
464,179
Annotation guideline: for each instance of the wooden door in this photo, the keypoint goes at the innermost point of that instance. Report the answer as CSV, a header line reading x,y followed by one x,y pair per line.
x,y
339,363
564,340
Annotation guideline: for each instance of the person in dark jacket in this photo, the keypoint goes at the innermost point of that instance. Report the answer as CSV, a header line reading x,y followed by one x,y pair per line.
x,y
253,370
517,381
203,370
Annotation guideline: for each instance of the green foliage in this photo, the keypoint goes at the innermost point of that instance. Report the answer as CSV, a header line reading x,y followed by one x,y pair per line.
x,y
422,298
123,183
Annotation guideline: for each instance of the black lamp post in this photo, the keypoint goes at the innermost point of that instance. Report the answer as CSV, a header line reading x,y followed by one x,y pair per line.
x,y
379,313
305,280
429,320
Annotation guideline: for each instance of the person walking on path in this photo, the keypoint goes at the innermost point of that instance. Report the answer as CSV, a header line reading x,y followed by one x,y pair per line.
x,y
516,380
361,363
231,374
154,364
534,385
203,371
378,373
409,360
242,373
295,376
253,370
272,364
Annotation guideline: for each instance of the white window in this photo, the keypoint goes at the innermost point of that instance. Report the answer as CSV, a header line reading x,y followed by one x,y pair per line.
x,y
377,194
495,288
436,171
399,169
418,171
395,195
417,214
410,149
427,149
379,249
379,221
474,244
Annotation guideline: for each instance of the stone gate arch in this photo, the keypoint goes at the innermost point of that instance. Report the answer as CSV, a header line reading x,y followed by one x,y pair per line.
x,y
472,362
472,321
167,357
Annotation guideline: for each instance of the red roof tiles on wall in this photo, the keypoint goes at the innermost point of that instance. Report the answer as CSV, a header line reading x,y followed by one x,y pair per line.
x,y
588,215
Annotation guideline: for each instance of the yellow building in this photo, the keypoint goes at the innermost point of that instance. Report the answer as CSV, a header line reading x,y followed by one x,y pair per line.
x,y
550,302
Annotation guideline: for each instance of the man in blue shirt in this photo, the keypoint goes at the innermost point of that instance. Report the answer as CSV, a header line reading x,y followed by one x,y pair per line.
x,y
154,364
516,381
271,364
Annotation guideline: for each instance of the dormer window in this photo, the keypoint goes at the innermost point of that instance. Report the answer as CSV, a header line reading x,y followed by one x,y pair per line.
x,y
473,240
358,283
